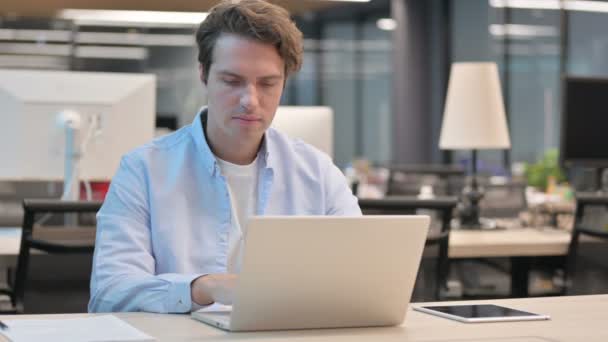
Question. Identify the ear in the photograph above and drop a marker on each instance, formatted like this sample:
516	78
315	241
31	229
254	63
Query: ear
201	73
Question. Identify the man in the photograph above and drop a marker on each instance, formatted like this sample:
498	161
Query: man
171	229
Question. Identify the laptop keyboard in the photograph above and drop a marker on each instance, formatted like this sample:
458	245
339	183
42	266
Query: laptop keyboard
223	317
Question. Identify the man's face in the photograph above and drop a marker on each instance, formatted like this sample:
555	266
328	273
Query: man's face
244	85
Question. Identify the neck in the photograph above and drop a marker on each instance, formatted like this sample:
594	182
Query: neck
240	154
240	151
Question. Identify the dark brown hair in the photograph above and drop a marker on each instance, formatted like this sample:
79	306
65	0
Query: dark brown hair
254	19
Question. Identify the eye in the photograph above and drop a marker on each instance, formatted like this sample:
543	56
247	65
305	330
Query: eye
268	84
231	81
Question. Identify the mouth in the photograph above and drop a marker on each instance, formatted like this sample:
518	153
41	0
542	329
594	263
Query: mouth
247	118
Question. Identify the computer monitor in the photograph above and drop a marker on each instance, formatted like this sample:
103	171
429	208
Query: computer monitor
314	125
584	122
32	134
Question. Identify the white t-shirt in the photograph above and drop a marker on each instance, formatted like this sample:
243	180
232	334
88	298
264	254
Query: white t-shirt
242	186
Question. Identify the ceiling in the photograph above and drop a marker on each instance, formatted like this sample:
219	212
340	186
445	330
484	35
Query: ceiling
46	8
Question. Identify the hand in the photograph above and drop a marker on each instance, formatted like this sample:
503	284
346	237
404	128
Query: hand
212	288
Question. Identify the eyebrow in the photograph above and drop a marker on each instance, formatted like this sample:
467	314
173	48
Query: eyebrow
228	73
266	78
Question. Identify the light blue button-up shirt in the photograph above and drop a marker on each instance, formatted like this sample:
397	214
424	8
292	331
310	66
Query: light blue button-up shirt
166	217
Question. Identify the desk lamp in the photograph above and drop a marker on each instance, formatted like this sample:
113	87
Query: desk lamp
474	119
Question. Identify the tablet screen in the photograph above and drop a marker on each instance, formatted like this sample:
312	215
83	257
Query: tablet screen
479	311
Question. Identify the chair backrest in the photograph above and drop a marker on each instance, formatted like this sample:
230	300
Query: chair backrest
402	205
581	227
12	194
503	200
407	179
50	239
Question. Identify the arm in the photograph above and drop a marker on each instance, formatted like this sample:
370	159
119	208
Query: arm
340	200
124	277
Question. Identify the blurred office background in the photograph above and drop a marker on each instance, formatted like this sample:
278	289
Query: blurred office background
386	110
381	65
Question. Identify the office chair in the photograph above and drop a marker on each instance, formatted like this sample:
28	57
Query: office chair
401	205
504	201
582	228
12	194
500	208
52	240
406	180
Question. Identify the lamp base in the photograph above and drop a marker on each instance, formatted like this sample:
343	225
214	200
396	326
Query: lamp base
483	224
472	195
469	211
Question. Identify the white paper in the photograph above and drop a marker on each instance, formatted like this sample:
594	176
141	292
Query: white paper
84	329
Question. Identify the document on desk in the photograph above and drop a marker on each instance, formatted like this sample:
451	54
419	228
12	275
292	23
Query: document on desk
83	329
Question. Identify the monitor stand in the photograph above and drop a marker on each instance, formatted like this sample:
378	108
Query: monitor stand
71	123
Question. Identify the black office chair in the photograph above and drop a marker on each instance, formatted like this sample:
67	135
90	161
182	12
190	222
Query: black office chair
503	201
53	240
401	205
581	228
406	179
500	207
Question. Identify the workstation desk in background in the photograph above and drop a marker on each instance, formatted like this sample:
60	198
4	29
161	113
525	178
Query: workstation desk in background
522	246
577	318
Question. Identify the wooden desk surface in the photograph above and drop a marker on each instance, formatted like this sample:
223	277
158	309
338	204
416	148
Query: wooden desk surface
10	240
581	318
508	242
463	243
10	243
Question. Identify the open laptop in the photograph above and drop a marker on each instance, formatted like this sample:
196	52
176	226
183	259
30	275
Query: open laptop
324	272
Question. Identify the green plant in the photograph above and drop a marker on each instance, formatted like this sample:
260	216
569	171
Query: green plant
538	174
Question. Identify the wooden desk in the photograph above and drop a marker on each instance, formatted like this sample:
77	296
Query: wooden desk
463	243
581	318
522	246
508	243
10	242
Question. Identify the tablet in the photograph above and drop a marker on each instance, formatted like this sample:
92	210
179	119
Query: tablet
480	313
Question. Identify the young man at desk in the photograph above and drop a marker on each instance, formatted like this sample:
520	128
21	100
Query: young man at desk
170	232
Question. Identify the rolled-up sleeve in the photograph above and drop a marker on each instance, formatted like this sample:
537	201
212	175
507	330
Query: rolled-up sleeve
124	277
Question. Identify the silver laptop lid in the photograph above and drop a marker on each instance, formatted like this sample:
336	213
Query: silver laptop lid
324	271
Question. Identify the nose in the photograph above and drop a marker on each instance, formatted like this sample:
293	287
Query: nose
249	98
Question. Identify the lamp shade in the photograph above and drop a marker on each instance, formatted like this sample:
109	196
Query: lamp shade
474	115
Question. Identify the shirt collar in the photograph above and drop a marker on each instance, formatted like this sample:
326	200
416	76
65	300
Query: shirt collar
209	161
198	134
268	144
